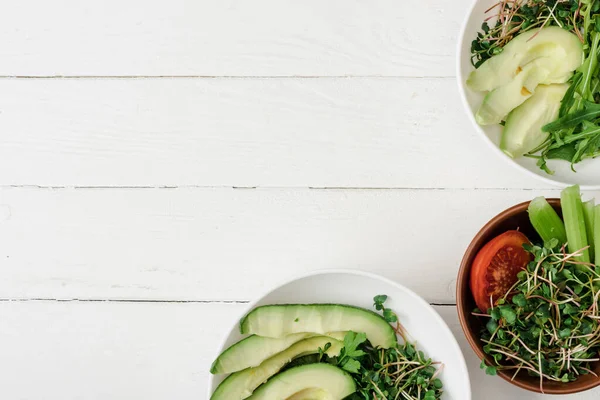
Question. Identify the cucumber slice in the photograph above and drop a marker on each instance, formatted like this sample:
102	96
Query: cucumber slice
240	385
253	350
285	319
332	380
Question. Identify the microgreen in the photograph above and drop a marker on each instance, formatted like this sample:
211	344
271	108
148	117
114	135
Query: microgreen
549	324
512	17
400	372
575	135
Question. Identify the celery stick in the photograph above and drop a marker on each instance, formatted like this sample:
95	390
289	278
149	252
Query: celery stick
597	232
588	215
572	209
546	221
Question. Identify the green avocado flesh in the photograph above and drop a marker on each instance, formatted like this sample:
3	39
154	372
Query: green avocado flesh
498	103
523	129
281	320
241	384
554	44
295	381
253	350
311	394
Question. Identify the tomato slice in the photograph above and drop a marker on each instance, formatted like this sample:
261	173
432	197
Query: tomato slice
495	268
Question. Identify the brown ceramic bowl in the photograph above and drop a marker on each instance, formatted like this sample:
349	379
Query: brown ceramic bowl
514	218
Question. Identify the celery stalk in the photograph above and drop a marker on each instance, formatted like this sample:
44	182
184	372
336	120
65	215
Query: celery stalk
572	209
597	232
588	215
546	221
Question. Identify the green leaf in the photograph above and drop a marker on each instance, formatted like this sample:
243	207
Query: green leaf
569	97
491	326
429	395
564	333
379	300
351	342
352	366
495	313
573	119
565	152
519	300
570	310
389	315
508	314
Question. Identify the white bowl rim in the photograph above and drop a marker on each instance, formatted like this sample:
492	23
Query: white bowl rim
460	79
453	342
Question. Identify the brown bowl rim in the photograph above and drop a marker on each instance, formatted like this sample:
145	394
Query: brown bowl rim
463	279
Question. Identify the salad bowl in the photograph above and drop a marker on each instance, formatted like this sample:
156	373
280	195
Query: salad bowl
514	218
588	171
422	323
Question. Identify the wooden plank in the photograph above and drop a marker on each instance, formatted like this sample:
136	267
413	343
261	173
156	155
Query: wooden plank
224	244
105	350
155	351
232	38
245	133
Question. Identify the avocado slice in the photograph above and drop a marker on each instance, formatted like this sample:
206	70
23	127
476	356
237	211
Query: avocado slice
253	350
285	319
502	100
311	394
523	129
241	384
552	42
332	380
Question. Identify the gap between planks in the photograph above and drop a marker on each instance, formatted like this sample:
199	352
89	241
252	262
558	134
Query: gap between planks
43	299
146	187
282	77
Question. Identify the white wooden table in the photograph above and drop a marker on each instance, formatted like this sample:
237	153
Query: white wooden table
163	163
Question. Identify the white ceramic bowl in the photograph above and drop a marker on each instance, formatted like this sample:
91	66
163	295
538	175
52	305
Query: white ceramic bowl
588	171
358	288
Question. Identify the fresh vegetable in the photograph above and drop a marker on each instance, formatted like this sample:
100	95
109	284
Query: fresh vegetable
498	103
254	349
575	135
311	394
282	320
588	216
400	372
559	51
514	54
523	128
531	59
330	379
597	233
242	384
572	209
546	221
515	17
495	268
547	324
251	351
312	366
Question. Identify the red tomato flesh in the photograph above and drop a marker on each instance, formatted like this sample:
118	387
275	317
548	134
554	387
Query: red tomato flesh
495	268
